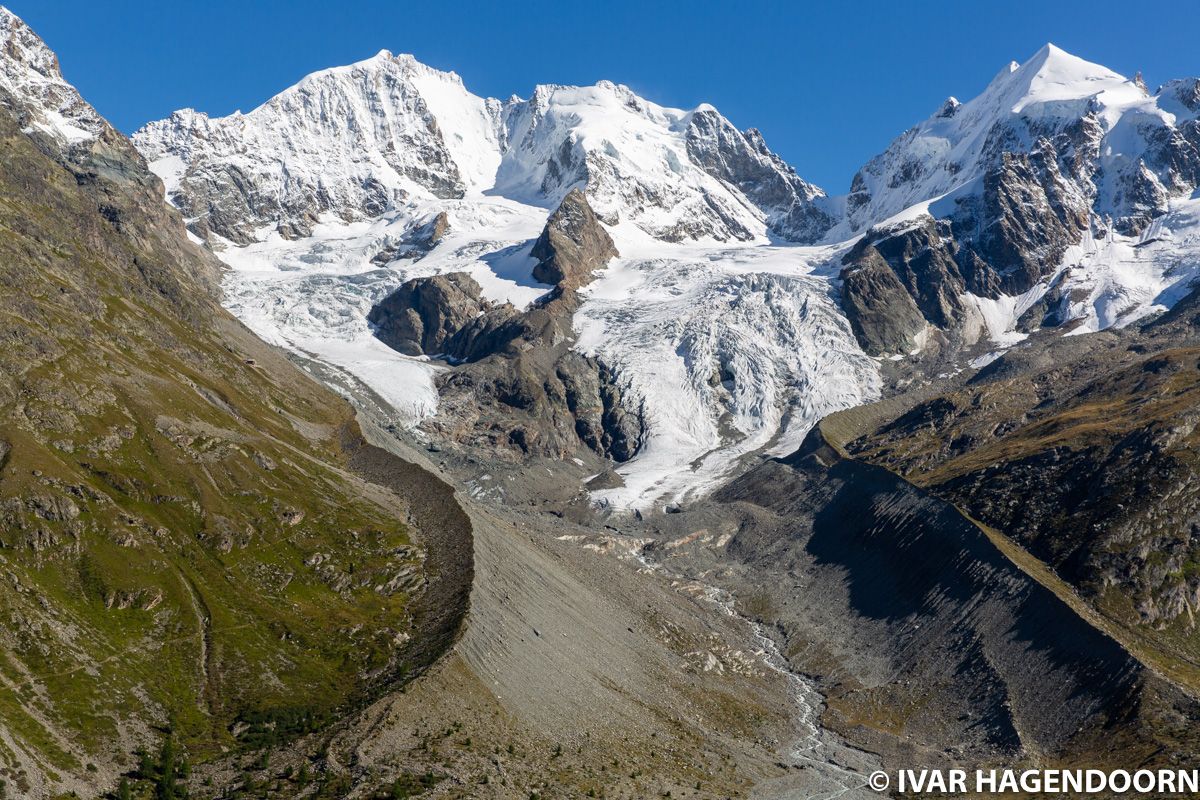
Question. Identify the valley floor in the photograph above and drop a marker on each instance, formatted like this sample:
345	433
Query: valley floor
582	669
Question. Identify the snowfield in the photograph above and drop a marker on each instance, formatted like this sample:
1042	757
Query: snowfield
1117	280
1111	281
313	295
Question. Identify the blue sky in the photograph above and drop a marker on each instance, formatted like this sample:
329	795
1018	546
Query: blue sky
829	84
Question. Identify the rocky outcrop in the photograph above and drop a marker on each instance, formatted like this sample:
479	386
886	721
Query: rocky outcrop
881	310
1003	240
594	399
923	257
542	402
415	242
442	315
573	245
1015	233
518	388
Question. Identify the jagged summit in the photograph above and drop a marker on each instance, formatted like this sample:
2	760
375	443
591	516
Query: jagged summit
1021	209
962	225
351	141
358	140
384	60
1050	95
30	77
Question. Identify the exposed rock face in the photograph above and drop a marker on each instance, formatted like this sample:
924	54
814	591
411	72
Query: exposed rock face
922	256
520	389
1017	232
441	315
793	207
415	242
1053	149
572	246
881	310
1003	240
539	402
594	400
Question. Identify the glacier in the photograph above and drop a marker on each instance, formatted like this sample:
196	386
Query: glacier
720	319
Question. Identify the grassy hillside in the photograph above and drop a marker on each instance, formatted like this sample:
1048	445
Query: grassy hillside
181	547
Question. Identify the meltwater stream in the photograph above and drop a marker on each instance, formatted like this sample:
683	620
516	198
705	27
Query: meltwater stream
843	769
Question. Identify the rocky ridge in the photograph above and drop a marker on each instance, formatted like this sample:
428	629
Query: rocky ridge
991	198
1057	198
356	141
1092	434
35	90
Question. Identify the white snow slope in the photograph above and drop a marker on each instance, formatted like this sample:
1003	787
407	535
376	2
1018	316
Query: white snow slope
343	164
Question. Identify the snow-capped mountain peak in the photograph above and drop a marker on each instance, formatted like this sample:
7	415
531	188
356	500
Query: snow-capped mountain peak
33	83
1042	202
1052	94
677	175
997	211
1052	74
357	140
353	141
320	194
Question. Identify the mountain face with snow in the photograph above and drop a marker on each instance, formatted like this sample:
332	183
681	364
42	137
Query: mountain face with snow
1124	151
35	90
676	175
352	141
322	198
745	303
1000	214
356	141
